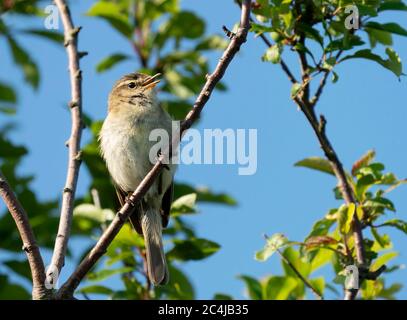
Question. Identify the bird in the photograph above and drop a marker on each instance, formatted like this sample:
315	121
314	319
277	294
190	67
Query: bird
133	112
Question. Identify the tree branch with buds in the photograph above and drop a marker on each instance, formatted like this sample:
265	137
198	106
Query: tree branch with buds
236	40
30	246
74	161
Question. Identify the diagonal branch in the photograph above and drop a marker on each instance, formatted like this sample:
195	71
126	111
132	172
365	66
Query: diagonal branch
345	187
322	83
299	275
68	197
66	291
27	236
306	106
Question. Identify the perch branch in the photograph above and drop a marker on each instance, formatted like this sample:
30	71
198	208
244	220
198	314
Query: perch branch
30	246
74	161
67	289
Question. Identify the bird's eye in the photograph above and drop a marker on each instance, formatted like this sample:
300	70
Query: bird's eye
131	85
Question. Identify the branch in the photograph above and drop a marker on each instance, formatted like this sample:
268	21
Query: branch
303	279
68	196
345	187
283	65
268	43
322	84
67	289
306	105
30	246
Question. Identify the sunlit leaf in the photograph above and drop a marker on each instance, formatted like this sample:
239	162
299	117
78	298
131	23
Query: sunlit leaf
316	163
110	61
192	249
254	289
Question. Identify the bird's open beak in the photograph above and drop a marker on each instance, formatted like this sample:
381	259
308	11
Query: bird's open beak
151	82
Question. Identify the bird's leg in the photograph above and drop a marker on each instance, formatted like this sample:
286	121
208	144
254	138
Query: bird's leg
159	153
128	200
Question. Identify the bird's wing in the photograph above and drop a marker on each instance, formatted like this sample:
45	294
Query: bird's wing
166	204
135	216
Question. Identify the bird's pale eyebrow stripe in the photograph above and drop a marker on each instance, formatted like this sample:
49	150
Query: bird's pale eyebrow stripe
125	82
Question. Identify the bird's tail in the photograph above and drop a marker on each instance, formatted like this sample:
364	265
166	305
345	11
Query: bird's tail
151	223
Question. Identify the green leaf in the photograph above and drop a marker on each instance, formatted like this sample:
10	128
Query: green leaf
90	211
393	63
382	240
214	42
318	284
382	37
335	77
272	54
253	287
96	289
388	293
128	237
345	216
382	260
184	205
204	194
176	25
316	163
379	202
47	34
388	27
179	286
222	296
22	268
392	5
363	184
113	14
273	243
279	287
7	93
110	61
398	224
24	61
107	273
8	110
122	256
192	249
11	291
295	89
311	33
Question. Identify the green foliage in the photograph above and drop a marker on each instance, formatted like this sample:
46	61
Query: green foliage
155	29
299	25
330	241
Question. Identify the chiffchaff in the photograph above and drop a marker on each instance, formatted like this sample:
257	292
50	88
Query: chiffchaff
124	139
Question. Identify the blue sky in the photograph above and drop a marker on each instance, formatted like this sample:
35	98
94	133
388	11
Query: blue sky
366	109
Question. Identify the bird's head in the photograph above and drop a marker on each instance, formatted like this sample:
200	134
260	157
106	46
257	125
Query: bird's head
134	89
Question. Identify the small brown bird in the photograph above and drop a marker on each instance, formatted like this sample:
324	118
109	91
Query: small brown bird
133	113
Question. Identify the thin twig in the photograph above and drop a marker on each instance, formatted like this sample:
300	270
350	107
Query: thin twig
67	289
268	43
322	83
30	246
303	279
283	65
74	161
